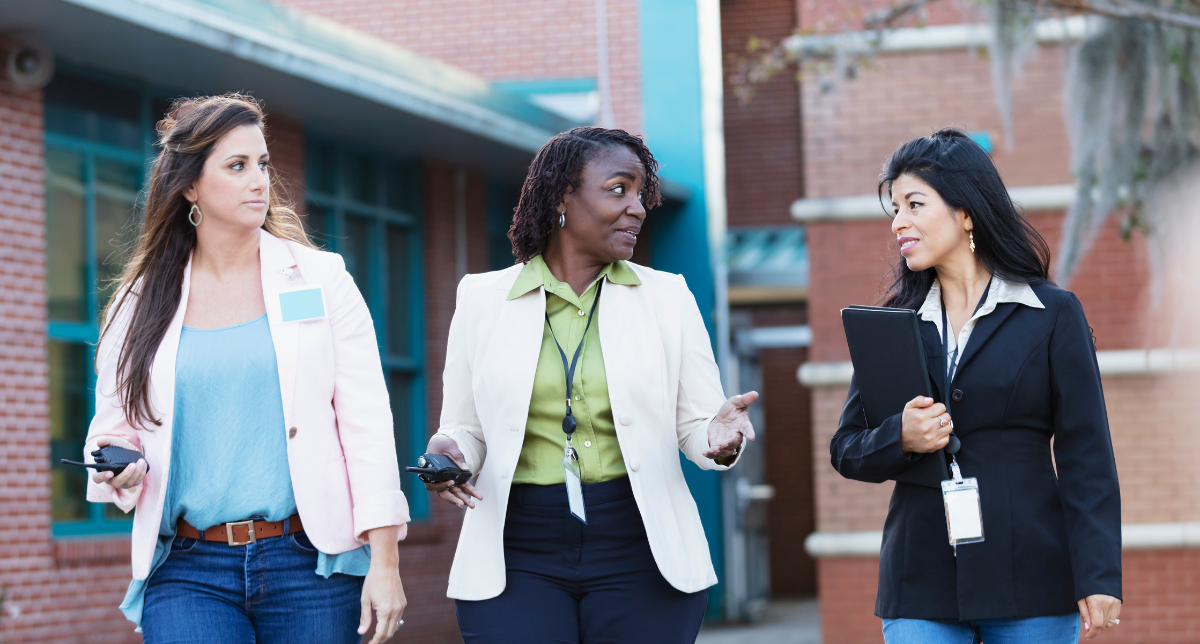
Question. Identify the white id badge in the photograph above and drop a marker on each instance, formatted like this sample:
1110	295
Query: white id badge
964	516
574	486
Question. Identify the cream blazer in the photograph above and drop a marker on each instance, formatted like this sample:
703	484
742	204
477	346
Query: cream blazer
663	385
341	450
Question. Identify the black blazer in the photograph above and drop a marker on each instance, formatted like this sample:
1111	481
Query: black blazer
1027	376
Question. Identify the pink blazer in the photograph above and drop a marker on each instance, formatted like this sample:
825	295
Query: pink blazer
341	450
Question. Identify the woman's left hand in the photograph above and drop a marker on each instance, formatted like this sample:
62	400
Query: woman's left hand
726	430
1098	612
382	589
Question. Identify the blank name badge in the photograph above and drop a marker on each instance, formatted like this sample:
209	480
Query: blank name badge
964	518
300	304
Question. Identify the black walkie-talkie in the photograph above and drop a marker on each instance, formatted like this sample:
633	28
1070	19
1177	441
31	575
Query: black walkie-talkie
110	458
436	468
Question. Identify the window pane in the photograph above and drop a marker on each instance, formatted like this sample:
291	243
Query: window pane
116	211
319	225
400	187
66	236
90	109
68	428
400	391
321	174
356	251
361	179
399	304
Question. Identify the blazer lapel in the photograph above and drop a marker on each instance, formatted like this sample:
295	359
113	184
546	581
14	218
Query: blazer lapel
512	349
985	328
632	349
274	256
934	359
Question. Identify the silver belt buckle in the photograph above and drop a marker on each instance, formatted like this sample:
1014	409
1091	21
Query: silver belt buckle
229	532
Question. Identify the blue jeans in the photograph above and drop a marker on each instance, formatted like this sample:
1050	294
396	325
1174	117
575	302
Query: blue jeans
267	592
1057	629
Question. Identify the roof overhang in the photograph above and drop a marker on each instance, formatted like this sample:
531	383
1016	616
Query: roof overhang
342	83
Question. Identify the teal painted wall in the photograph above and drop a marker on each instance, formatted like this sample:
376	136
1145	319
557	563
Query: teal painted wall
679	239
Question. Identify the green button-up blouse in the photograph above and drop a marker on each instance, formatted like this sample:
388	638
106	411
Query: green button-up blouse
595	436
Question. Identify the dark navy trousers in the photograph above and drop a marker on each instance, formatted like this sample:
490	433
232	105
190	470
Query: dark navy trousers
570	583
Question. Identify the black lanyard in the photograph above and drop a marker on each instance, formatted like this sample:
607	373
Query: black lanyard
569	423
951	366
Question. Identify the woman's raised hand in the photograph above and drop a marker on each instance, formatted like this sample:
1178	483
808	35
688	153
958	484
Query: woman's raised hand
926	426
456	494
731	423
130	478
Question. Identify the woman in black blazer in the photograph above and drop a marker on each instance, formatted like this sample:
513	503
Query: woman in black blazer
1026	398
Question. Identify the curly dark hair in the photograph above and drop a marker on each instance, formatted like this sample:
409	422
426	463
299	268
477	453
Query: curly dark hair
556	170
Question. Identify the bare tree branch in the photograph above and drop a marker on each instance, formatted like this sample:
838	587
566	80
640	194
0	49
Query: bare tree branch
1126	10
887	18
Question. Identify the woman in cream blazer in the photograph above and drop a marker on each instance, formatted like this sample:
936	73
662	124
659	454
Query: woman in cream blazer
526	569
248	421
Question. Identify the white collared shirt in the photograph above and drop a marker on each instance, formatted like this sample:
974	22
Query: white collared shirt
1000	291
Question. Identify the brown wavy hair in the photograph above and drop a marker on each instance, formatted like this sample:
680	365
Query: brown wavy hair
151	284
556	170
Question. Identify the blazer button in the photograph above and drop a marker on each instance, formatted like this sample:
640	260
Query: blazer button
504	477
634	464
292	433
625	420
514	428
957	395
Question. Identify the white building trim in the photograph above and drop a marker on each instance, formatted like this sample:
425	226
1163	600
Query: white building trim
1030	198
942	37
1134	536
1133	362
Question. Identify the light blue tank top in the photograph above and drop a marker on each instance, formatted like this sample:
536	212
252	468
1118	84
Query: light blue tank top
228	421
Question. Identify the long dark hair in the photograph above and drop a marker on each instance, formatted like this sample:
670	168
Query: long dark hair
965	177
151	283
556	170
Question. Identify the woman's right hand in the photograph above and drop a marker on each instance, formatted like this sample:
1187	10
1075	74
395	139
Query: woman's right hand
130	478
456	494
923	430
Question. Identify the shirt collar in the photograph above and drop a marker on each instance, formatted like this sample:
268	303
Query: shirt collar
537	274
1000	292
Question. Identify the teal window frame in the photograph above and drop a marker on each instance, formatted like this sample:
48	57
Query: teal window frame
86	333
336	203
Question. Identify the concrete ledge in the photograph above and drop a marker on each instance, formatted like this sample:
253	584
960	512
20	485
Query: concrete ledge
942	37
1030	198
1133	362
1134	536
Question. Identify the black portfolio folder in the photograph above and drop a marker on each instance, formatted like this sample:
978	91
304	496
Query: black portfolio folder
890	369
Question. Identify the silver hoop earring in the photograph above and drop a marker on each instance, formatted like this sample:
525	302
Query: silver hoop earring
195	211
562	219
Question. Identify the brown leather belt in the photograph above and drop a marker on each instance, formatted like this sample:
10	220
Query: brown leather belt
241	533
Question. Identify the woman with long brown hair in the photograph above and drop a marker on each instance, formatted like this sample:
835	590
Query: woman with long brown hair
241	362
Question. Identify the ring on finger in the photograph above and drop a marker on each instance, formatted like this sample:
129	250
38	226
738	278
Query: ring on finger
1113	622
943	421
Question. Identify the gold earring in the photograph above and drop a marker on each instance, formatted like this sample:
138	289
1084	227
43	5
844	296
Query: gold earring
195	211
972	234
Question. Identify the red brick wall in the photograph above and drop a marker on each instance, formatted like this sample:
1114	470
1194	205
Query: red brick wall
762	137
850	131
64	592
507	39
285	139
1162	599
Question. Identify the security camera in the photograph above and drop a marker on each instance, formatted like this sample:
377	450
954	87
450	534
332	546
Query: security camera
27	65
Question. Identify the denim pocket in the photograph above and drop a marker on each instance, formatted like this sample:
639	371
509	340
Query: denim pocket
183	545
300	542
